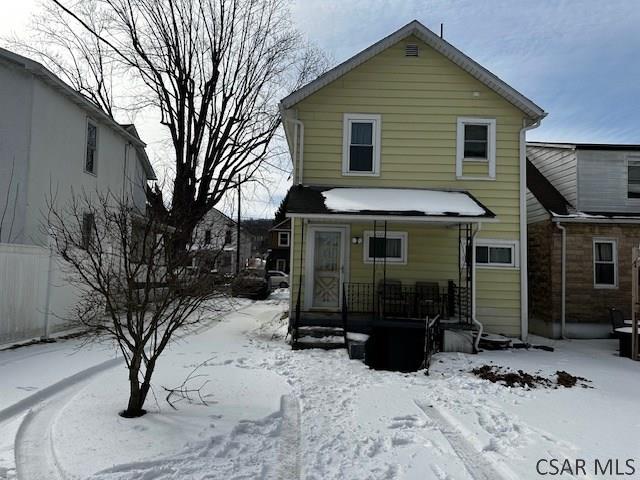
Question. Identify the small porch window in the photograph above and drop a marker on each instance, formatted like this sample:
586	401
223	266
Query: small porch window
393	248
496	253
361	145
605	260
283	239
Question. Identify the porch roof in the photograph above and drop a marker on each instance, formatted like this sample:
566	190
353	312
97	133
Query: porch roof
423	205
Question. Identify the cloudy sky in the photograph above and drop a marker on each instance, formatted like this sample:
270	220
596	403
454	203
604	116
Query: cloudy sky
578	59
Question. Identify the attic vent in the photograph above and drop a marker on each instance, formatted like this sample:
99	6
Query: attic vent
411	50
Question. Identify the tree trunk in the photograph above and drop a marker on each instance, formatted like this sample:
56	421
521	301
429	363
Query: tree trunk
137	394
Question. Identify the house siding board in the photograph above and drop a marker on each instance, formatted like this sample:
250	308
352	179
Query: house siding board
535	211
420	99
602	180
57	156
15	105
560	166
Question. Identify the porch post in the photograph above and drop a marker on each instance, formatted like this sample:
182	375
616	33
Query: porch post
373	296
302	248
384	268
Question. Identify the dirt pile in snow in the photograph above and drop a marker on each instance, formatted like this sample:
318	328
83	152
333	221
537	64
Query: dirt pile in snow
520	378
567	380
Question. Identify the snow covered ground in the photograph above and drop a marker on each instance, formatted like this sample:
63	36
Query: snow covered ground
276	413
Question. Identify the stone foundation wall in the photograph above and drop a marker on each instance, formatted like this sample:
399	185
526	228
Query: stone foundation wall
584	302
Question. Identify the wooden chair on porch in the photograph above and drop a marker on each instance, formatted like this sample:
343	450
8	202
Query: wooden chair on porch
392	302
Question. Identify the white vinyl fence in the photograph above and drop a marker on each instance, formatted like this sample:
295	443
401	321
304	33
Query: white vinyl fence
26	288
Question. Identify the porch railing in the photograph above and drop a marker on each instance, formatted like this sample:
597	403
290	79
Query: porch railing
419	301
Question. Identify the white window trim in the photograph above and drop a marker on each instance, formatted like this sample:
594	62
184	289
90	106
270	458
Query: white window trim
284	264
491	148
515	253
86	140
403	236
376	120
288	237
614	242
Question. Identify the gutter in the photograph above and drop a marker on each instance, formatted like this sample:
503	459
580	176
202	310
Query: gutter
394	218
558	219
563	324
293	142
299	127
524	289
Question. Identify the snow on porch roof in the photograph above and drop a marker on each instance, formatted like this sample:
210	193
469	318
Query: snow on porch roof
394	202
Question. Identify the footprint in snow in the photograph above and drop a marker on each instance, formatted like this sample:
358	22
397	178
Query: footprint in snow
407	421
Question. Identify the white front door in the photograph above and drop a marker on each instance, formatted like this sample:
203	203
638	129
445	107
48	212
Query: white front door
326	274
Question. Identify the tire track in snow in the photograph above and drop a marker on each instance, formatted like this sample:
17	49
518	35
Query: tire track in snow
477	464
31	401
34	450
289	461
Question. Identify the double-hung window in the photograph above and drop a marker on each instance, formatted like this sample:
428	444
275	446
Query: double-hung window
91	155
633	178
392	248
605	263
283	239
361	144
497	253
476	143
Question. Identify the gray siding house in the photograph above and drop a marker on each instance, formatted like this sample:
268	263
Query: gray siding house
215	244
583	215
54	144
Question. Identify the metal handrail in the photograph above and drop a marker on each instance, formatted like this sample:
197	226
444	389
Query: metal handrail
431	334
403	301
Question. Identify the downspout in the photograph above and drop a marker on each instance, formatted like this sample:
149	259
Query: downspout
524	288
563	324
298	132
473	289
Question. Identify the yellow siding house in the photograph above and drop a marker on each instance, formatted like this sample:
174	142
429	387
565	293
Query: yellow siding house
409	191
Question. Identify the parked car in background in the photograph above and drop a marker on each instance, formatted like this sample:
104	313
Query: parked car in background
251	283
278	279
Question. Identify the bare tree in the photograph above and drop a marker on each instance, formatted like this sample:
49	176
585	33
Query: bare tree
131	291
214	69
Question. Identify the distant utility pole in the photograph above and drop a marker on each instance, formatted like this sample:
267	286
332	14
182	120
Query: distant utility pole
238	231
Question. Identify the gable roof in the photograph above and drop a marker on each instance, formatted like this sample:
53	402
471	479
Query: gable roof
284	225
440	45
548	195
41	72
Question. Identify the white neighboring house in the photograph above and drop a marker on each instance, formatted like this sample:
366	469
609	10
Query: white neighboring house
53	141
216	242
